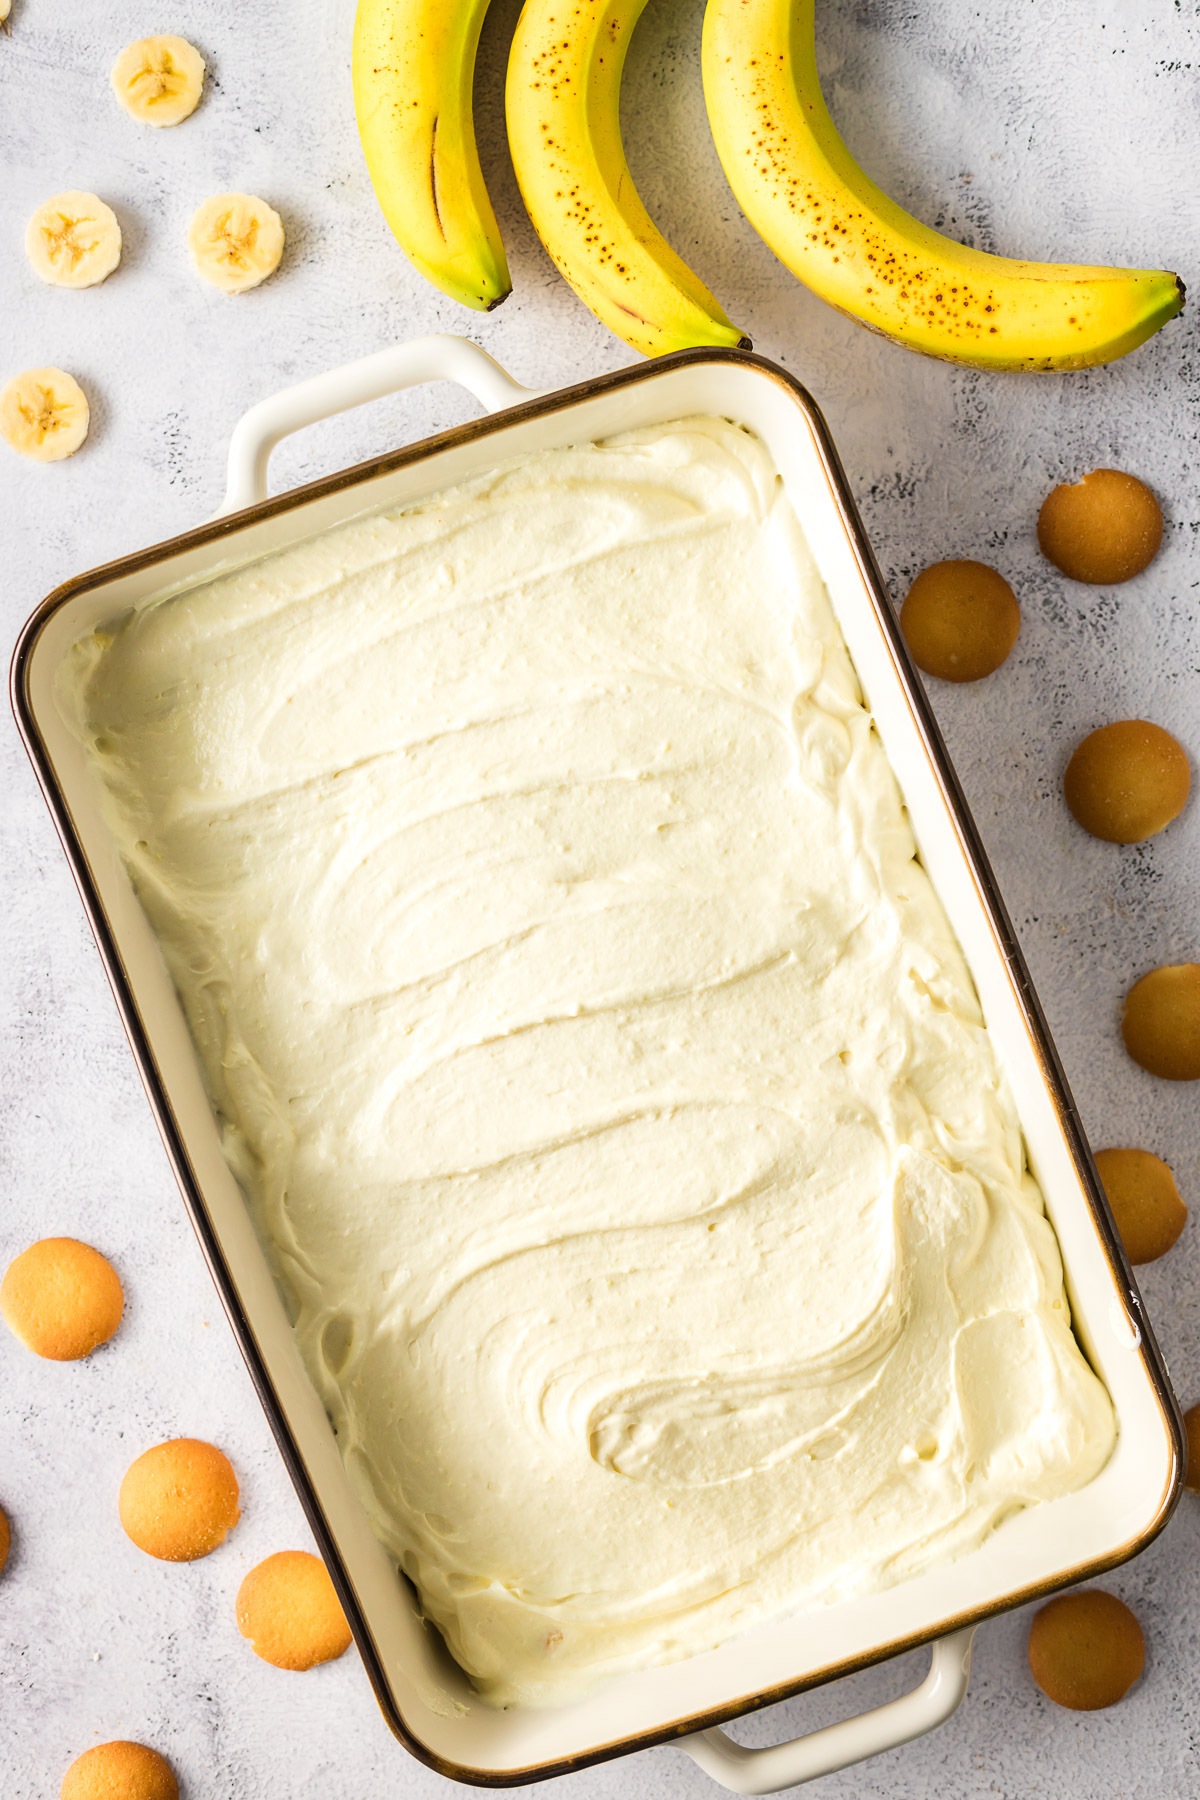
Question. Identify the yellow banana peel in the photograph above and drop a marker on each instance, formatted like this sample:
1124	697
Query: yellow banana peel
562	105
840	234
413	65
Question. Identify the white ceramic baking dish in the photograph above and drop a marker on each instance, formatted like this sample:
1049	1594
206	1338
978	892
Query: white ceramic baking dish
426	1699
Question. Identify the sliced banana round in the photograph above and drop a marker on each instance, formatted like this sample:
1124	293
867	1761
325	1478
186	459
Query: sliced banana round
44	414
158	80
73	240
236	241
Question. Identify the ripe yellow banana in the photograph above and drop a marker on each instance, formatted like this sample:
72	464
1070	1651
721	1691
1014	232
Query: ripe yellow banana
562	104
413	64
802	190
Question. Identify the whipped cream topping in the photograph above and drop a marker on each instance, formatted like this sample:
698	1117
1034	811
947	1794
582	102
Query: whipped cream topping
606	1082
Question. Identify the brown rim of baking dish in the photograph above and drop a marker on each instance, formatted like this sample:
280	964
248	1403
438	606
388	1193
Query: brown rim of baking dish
994	910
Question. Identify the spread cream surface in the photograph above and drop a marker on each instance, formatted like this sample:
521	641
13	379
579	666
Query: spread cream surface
604	1077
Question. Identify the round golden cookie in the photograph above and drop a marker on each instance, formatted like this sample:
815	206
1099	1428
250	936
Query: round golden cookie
5	1539
61	1298
1103	529
179	1500
1146	1204
288	1609
1127	781
1086	1650
1191	1426
1161	1026
119	1771
960	620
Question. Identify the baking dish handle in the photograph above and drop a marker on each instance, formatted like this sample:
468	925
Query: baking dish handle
439	357
851	1741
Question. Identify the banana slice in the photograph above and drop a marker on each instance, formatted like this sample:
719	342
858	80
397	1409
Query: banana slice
158	80
5	9
73	240
236	241
44	414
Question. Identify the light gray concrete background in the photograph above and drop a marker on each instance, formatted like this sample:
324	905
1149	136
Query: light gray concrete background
1066	128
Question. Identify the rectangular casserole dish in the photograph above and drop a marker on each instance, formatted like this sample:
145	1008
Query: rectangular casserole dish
425	1698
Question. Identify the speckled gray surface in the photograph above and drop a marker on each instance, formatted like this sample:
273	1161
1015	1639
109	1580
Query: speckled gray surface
1049	127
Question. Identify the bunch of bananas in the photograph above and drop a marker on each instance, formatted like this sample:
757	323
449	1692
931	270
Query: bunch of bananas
792	174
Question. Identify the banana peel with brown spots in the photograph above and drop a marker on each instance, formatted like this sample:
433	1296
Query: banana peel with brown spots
562	106
843	237
413	62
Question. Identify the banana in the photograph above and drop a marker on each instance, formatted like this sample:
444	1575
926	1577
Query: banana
159	80
74	240
44	414
802	190
413	63
562	104
236	241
